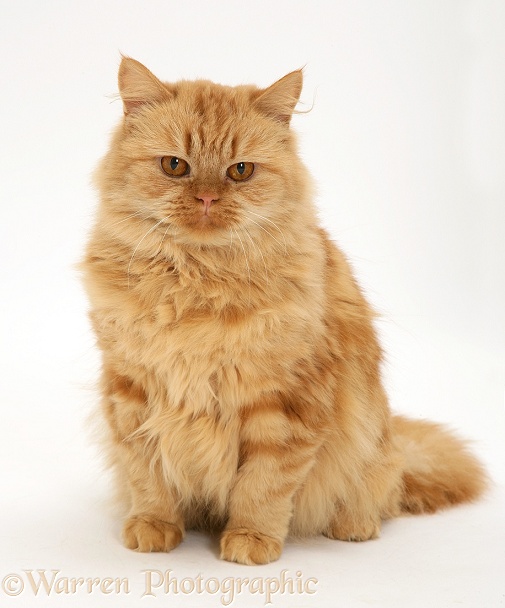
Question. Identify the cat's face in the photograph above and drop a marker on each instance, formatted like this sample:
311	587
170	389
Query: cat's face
206	161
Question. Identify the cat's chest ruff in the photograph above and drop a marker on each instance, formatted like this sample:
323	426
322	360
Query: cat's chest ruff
206	355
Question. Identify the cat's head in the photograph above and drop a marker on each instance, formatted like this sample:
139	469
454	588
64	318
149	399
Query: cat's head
205	161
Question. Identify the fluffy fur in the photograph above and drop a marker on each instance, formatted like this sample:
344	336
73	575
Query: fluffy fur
241	370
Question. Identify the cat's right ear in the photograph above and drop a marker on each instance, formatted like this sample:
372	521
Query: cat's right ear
138	86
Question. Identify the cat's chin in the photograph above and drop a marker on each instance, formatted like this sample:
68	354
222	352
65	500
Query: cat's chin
204	235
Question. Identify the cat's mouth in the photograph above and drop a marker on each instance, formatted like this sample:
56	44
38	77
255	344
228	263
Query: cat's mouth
204	224
208	220
211	228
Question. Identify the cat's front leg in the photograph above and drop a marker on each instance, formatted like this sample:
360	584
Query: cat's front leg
154	522
278	446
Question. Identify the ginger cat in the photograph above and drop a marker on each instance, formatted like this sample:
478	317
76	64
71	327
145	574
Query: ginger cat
241	370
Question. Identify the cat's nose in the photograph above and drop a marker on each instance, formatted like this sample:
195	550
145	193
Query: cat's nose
207	200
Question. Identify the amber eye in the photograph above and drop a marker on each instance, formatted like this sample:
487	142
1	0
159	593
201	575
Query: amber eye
240	171
173	166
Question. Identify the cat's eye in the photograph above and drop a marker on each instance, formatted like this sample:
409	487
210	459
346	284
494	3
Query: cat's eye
173	166
240	171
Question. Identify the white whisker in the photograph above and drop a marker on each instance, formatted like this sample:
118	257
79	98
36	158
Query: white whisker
231	239
259	251
245	256
162	239
270	221
270	234
138	245
128	217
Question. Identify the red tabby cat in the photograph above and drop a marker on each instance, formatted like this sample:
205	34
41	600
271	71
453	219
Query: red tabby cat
241	370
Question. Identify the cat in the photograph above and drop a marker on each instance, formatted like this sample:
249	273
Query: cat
241	383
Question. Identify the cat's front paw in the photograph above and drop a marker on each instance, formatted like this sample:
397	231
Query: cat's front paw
145	533
249	547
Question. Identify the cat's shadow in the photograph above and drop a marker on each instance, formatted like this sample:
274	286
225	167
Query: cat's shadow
212	543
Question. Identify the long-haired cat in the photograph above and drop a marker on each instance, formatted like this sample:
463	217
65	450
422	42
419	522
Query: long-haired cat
241	370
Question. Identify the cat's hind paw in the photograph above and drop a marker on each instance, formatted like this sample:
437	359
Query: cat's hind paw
145	533
351	531
249	547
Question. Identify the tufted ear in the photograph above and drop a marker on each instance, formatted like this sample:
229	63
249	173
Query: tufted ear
280	99
139	86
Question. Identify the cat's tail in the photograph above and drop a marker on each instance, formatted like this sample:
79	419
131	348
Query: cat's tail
439	469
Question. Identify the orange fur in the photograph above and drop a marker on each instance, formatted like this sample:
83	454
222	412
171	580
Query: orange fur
241	371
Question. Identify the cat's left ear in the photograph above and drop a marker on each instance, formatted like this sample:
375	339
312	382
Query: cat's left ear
138	86
280	99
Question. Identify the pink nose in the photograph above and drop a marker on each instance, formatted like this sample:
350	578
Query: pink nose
207	200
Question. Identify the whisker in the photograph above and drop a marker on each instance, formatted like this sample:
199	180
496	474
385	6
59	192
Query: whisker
162	239
270	221
259	251
245	256
138	245
269	233
128	217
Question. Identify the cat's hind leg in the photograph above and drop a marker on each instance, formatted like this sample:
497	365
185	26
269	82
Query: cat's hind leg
352	525
368	499
346	497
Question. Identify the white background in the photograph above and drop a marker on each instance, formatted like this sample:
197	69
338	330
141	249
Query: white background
406	141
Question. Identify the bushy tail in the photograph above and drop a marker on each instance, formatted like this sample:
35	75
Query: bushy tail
439	470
